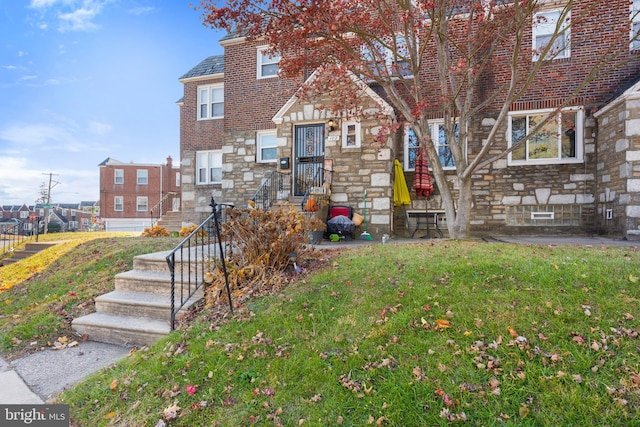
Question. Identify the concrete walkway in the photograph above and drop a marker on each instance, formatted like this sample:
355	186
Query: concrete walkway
39	377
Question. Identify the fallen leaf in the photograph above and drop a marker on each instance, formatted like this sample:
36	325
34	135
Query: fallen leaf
171	412
113	385
633	278
523	411
443	323
513	332
110	415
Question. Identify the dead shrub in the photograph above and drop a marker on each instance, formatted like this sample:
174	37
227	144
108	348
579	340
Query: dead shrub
262	245
155	231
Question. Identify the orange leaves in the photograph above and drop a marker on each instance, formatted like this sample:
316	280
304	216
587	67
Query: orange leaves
443	324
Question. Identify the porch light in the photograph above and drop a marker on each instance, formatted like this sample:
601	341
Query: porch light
331	125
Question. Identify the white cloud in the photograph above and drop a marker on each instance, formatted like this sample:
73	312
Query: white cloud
78	20
141	10
99	128
69	15
34	134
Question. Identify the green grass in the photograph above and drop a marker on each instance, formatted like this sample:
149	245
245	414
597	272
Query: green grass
62	282
358	343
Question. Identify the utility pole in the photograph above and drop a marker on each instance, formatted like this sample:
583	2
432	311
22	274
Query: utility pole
48	205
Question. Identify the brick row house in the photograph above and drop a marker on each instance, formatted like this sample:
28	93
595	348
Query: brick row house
134	195
81	216
239	122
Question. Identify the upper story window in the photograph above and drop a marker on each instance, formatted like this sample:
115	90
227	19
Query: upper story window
41	212
547	26
142	177
635	25
351	134
64	212
560	140
118	176
383	59
436	130
267	146
209	167
142	204
267	63
25	214
118	203
211	102
177	179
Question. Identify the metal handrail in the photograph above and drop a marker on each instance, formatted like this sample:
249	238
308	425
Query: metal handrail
321	176
189	261
159	208
12	236
277	186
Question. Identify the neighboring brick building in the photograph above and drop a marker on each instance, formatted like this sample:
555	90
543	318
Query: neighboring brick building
132	195
586	179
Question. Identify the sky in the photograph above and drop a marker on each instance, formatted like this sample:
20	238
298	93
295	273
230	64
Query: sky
85	80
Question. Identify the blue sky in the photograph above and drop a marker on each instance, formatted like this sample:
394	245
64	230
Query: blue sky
83	80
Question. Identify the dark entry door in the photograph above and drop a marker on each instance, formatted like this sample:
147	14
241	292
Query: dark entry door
309	156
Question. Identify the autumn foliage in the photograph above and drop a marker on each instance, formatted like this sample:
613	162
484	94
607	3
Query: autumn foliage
261	246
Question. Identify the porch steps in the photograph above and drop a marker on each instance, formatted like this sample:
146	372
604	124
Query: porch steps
138	311
30	249
171	221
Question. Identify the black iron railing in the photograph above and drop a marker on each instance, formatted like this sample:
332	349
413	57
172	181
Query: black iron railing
276	187
200	252
319	186
13	234
162	207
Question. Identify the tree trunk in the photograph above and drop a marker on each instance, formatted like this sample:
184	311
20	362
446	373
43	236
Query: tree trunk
458	216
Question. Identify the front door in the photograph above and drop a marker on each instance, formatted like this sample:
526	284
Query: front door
309	156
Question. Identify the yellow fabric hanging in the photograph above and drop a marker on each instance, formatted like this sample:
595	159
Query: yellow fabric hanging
400	190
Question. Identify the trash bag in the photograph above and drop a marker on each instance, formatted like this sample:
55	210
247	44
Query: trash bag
341	225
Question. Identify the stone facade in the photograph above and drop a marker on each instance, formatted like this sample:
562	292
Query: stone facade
598	191
618	166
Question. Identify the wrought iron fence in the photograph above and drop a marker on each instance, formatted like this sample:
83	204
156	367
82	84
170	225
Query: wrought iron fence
200	252
277	186
13	234
319	186
162	207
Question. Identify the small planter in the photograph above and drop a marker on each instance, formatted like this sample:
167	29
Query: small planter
315	237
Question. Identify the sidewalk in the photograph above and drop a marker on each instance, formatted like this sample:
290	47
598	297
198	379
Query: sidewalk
39	377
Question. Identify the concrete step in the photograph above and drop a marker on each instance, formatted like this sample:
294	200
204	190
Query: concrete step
151	282
122	330
31	248
151	262
153	306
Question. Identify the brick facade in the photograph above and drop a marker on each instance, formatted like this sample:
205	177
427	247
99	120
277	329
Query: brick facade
507	198
162	179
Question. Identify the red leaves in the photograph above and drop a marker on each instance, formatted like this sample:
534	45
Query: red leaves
445	397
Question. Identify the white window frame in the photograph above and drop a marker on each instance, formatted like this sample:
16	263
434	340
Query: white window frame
41	213
63	212
634	30
177	179
548	28
118	201
142	176
142	204
73	225
206	162
579	138
118	176
24	214
434	129
388	58
356	141
212	94
261	62
261	145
